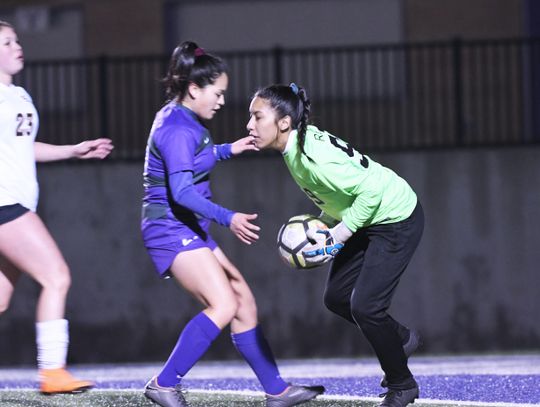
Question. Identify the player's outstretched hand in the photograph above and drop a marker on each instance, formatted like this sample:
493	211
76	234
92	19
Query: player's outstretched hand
243	144
98	148
243	228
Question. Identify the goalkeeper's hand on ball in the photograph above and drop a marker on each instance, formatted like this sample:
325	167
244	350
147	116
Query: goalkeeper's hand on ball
326	243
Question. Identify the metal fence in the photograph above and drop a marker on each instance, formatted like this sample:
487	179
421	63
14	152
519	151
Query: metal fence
386	97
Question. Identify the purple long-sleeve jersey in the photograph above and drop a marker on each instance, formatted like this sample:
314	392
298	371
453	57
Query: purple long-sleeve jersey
178	145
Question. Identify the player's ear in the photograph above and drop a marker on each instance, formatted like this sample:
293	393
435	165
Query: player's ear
193	90
284	123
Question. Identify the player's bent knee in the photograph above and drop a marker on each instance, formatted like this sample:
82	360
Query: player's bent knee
366	314
225	311
247	311
335	304
247	304
365	310
329	303
58	279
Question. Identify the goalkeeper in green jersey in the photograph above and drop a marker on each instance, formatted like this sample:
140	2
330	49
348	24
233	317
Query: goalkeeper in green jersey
376	224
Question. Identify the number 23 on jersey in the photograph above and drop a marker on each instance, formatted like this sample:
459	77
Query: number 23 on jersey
25	124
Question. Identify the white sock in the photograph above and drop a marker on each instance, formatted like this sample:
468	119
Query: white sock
52	339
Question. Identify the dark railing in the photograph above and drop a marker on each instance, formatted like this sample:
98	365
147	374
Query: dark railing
387	97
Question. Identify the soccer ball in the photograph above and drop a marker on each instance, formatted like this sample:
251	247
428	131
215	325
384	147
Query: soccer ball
292	239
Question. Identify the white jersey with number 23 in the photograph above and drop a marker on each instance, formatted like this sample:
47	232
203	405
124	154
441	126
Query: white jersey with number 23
19	124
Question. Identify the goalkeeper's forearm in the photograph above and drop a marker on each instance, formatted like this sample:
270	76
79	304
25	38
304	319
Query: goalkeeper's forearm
341	233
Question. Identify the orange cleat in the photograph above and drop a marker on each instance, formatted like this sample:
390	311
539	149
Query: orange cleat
61	381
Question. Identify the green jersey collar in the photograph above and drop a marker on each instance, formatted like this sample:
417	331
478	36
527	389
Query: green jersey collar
290	141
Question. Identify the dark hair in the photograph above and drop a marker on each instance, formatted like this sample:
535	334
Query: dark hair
190	64
289	100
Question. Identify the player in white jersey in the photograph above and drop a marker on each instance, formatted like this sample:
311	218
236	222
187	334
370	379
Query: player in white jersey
26	245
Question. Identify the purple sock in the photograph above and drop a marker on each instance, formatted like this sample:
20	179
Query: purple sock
253	347
193	342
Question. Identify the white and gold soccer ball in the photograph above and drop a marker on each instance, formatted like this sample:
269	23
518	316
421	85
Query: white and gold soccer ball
292	240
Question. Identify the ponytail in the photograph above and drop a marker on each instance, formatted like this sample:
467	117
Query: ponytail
191	64
290	101
303	120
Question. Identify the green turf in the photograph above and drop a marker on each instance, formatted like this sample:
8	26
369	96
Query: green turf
97	398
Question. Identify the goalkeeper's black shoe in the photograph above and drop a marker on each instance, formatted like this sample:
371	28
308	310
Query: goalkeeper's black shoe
399	398
409	348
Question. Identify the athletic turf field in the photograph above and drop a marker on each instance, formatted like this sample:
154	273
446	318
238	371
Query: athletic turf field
509	380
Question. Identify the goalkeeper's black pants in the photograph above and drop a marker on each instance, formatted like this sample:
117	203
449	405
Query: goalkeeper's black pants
362	281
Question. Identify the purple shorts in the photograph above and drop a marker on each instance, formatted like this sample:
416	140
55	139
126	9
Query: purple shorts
165	238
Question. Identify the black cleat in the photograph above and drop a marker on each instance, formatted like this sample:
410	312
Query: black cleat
165	396
409	348
294	395
399	398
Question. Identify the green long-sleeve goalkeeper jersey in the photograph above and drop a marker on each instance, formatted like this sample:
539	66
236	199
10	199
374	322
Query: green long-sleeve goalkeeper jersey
347	185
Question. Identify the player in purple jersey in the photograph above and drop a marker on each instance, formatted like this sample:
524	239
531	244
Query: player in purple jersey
177	211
